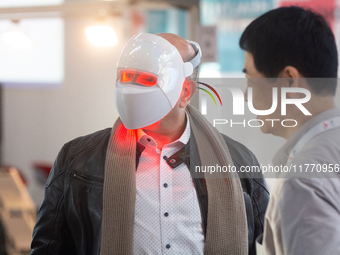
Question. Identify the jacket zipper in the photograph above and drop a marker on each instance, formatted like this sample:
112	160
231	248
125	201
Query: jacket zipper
80	176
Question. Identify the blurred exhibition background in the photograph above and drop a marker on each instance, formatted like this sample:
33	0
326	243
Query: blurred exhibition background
58	60
58	71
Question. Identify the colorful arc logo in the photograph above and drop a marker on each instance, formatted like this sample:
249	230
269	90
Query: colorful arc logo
211	88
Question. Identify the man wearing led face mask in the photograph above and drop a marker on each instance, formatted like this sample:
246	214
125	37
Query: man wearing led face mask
149	201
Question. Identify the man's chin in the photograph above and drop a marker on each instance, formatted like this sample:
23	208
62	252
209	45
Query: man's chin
265	128
153	127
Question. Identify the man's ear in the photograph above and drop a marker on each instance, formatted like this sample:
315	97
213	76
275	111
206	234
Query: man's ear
294	79
193	88
291	76
189	89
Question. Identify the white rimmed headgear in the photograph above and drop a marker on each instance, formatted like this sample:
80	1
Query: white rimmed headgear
150	79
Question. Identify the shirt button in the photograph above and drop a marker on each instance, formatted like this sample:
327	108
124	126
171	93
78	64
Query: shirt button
165	185
165	157
166	214
172	161
168	246
149	140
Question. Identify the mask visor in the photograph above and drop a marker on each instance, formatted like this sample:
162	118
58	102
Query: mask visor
132	76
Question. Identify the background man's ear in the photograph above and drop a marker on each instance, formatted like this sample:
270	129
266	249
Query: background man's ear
291	76
290	72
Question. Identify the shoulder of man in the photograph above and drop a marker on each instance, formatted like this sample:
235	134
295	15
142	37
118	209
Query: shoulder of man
323	149
78	152
86	142
319	158
243	157
240	154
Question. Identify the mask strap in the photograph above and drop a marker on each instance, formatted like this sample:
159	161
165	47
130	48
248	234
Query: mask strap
197	59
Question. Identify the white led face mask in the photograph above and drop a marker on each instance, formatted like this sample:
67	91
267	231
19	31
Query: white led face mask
150	79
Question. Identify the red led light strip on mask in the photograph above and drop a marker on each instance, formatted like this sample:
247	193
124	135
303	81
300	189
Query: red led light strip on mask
134	76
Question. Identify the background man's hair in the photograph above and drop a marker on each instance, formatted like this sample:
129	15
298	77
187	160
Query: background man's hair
296	37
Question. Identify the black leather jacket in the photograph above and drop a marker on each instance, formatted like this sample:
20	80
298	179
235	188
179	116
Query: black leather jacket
69	220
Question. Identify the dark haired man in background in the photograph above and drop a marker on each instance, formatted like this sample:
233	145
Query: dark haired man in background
303	214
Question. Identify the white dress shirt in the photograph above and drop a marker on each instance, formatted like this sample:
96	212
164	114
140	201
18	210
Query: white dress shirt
167	212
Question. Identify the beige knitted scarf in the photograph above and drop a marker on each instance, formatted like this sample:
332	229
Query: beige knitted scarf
226	224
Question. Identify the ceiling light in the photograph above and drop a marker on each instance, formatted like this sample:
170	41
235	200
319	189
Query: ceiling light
101	36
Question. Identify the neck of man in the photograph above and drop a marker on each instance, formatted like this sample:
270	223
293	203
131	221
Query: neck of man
315	106
167	130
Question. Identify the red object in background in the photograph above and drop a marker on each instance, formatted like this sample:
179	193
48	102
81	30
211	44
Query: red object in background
138	22
326	8
42	170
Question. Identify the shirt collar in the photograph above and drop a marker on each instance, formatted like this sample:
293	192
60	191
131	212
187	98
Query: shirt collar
282	155
141	135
